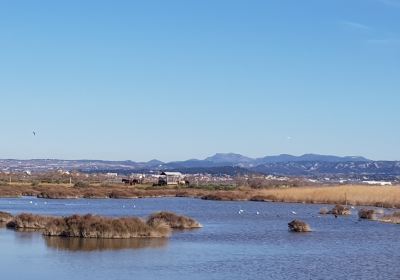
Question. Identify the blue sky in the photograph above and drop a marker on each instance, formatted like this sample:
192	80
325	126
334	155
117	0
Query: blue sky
184	79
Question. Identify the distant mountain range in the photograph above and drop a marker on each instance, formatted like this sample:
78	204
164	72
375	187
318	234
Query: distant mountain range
304	165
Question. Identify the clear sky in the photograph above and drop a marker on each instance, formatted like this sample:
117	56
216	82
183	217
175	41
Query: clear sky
174	80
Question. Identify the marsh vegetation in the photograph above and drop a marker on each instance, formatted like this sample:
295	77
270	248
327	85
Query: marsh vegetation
92	226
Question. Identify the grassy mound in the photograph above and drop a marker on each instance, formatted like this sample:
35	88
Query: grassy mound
369	214
299	226
340	210
91	226
173	220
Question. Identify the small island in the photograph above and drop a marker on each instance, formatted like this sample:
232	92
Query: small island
158	225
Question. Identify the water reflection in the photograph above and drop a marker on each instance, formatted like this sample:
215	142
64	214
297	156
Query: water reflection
101	244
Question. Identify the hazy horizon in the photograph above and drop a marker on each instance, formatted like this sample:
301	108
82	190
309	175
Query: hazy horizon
174	80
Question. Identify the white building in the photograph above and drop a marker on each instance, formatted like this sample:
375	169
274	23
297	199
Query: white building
170	178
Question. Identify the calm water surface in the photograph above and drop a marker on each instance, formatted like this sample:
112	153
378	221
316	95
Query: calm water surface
230	246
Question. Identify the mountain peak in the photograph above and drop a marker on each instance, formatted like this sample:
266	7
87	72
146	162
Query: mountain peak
228	157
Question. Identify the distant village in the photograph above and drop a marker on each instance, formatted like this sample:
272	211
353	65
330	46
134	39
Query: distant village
100	172
175	178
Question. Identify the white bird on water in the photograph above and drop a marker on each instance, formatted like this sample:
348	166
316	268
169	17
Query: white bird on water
294	213
241	211
258	213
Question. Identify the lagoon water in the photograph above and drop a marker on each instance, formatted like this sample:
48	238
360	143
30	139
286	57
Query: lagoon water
229	246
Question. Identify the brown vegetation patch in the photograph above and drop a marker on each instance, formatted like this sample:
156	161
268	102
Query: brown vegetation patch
91	226
267	198
393	218
226	196
173	220
28	221
369	214
5	217
340	210
64	194
299	226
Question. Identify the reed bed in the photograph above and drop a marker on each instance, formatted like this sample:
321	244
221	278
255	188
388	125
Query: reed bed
388	197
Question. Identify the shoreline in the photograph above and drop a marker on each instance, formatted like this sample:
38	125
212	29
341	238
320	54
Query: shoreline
356	195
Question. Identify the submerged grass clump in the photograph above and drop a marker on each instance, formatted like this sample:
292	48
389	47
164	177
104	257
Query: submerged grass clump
393	218
340	210
173	220
323	211
299	226
369	214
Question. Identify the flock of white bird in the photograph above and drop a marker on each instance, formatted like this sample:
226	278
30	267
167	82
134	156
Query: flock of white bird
241	211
